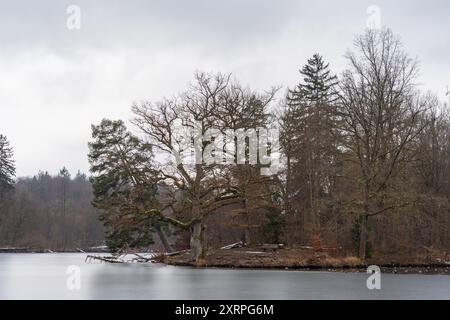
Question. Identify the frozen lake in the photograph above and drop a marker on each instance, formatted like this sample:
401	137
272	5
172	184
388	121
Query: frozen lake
44	276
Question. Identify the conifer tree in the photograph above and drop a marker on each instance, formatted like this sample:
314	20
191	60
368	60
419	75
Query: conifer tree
122	184
309	140
7	166
319	84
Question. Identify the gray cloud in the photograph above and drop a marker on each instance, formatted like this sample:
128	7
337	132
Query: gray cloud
54	82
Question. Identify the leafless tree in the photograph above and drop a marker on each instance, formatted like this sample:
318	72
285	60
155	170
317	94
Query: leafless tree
381	111
212	102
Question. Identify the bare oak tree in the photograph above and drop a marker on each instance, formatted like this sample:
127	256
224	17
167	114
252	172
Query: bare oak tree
213	103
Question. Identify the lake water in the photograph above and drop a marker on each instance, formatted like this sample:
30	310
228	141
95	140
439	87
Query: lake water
44	276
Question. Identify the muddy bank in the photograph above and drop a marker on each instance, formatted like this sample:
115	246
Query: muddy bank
298	259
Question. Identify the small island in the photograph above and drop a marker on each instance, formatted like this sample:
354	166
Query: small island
335	173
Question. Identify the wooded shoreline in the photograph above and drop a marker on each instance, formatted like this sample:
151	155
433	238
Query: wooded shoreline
42	250
307	260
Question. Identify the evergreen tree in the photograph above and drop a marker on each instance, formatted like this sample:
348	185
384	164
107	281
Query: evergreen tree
123	184
308	137
275	226
319	84
7	167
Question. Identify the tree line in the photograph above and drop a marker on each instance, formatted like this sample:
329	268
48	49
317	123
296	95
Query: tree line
364	163
44	211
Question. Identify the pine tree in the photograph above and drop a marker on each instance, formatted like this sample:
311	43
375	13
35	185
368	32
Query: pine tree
319	84
7	166
309	140
122	184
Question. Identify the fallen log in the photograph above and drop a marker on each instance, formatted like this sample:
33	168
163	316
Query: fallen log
239	244
141	258
304	247
170	254
110	259
153	257
125	258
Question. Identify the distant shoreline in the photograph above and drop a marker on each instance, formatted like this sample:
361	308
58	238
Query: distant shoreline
40	250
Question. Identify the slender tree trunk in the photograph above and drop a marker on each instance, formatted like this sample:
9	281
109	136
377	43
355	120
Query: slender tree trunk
164	239
363	223
363	236
197	240
287	200
247	237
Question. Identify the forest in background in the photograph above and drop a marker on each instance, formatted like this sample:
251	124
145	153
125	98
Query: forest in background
365	167
50	212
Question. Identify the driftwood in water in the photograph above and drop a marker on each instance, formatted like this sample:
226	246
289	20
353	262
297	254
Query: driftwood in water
124	258
141	258
109	259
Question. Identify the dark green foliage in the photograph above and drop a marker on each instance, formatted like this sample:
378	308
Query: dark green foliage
310	138
122	184
132	236
319	85
7	168
275	225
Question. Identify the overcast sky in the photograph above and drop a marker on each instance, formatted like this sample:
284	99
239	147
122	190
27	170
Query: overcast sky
56	82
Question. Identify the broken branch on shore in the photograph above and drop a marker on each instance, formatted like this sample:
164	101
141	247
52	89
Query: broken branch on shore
153	257
170	254
239	244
